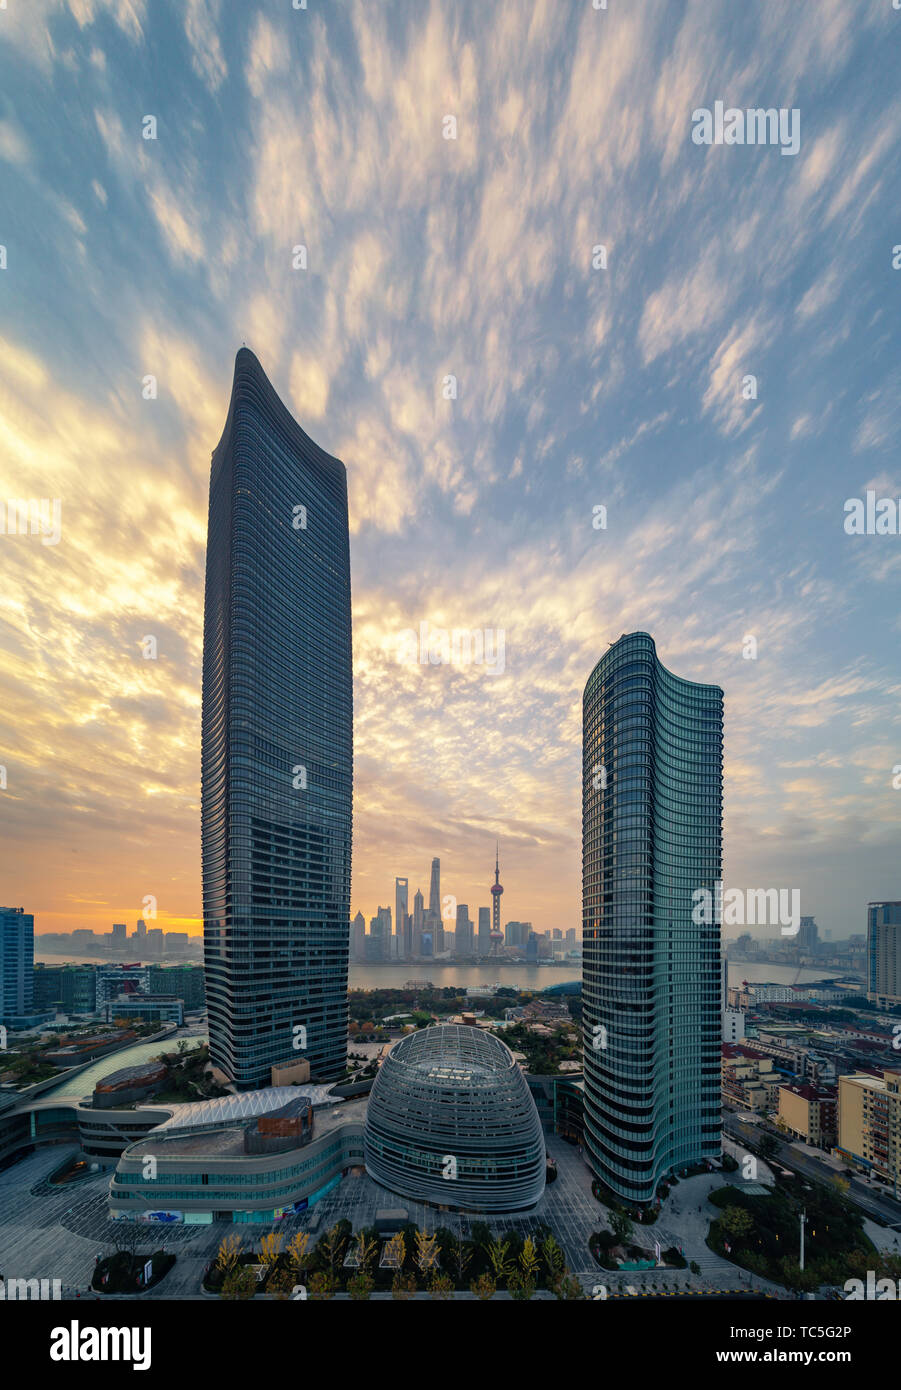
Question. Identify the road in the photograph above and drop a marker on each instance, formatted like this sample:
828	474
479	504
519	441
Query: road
883	1209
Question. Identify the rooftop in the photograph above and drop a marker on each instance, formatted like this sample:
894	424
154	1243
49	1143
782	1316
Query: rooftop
228	1142
244	1106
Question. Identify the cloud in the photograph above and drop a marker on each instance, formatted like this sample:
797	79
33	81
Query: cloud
201	18
13	145
429	257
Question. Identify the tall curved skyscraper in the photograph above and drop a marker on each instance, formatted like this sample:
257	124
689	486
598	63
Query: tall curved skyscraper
651	837
277	757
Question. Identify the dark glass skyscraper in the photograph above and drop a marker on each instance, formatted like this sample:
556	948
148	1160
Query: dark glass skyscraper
652	755
277	762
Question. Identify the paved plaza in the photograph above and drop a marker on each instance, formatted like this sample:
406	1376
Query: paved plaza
56	1233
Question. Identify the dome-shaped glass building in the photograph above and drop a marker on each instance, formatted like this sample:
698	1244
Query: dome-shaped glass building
451	1121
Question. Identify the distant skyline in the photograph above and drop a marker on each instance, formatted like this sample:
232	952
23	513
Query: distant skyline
576	388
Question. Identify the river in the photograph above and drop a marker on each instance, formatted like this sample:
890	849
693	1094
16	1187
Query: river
518	976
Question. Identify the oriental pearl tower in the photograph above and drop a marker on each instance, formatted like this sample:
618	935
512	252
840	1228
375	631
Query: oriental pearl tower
496	935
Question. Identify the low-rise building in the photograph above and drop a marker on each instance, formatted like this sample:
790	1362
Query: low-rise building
808	1112
869	1120
749	1078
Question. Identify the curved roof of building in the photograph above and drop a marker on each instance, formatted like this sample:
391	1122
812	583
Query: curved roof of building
132	1076
228	1109
451	1121
453	1054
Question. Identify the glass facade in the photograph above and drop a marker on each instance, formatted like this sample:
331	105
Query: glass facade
16	962
651	837
451	1121
277	759
227	1183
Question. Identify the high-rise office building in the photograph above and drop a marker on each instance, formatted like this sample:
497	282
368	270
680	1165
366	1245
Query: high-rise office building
418	921
16	963
484	931
401	889
808	936
435	887
184	982
358	936
435	924
651	839
70	988
516	934
884	952
374	946
463	931
120	930
277	762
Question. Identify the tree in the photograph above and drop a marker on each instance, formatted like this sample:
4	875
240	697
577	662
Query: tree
484	1287
480	1233
239	1283
127	1236
361	1285
460	1257
297	1251
440	1286
367	1246
403	1285
498	1258
569	1288
395	1251
333	1243
736	1222
621	1225
322	1284
528	1260
281	1283
270	1247
426	1251
796	1278
228	1252
554	1260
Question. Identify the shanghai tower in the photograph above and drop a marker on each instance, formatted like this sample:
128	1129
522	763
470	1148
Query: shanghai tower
277	744
652	789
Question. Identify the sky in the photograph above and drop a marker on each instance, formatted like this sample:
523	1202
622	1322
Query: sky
578	386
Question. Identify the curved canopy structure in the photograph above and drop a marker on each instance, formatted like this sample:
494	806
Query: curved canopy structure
224	1110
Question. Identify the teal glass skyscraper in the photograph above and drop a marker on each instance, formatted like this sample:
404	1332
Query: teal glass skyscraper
277	744
651	837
